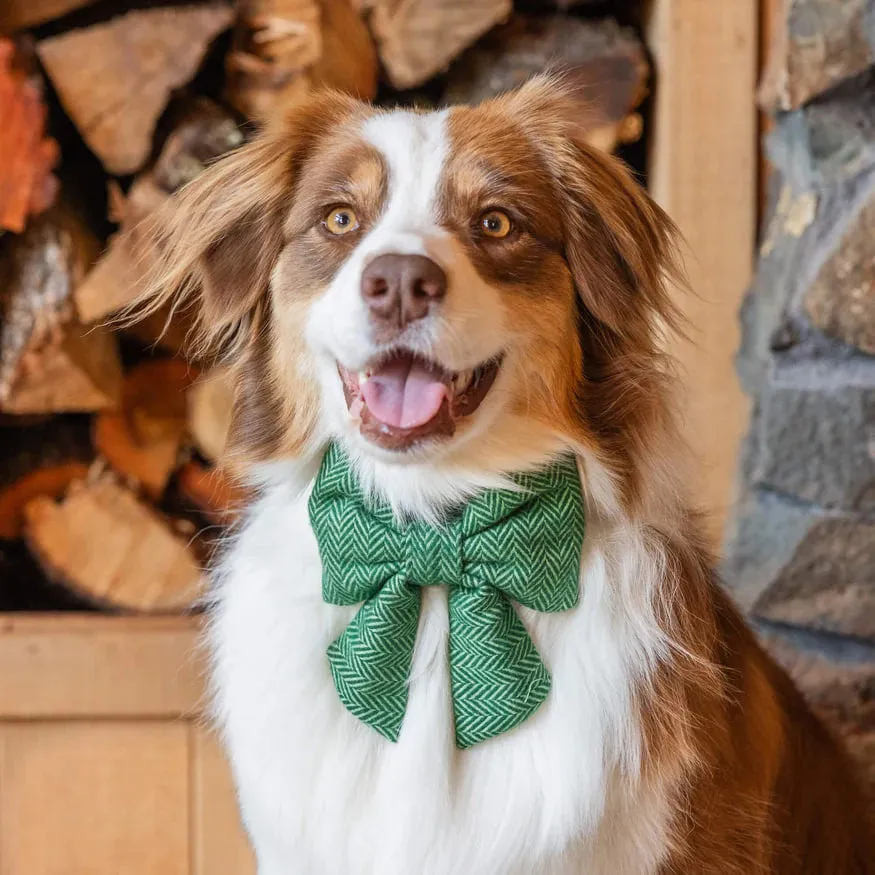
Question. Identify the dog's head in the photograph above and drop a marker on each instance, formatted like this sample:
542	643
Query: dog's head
472	287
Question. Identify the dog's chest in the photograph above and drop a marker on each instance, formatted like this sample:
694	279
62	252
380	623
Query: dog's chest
324	794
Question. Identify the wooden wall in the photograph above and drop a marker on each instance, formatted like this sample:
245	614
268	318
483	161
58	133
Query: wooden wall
105	765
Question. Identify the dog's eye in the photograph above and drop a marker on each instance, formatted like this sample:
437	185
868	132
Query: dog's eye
495	224
340	220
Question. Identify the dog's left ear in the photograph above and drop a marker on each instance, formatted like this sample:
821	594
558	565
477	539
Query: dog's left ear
213	247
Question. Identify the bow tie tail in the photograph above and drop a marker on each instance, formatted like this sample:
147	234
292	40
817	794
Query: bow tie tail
370	662
497	675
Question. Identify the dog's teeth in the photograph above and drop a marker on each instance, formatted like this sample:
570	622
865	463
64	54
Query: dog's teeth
363	377
462	380
478	374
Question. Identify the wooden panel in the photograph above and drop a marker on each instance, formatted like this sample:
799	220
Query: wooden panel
62	665
94	799
704	172
219	843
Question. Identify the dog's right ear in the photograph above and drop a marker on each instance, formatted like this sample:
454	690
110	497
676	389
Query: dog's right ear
212	248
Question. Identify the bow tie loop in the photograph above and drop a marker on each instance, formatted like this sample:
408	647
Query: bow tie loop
433	554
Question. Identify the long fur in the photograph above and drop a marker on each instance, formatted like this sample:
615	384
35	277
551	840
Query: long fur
670	743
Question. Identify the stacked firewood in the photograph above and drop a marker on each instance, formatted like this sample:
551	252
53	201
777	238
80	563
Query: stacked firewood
110	479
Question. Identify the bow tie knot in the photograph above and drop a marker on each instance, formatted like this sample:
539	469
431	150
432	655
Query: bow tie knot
518	545
433	555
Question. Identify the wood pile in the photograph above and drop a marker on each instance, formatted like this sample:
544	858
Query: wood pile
112	491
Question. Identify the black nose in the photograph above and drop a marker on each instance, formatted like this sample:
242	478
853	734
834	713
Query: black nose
399	289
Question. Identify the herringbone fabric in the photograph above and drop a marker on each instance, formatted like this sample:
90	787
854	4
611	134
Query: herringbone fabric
502	545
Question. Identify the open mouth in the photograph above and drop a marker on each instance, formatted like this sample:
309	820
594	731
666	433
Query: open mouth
403	398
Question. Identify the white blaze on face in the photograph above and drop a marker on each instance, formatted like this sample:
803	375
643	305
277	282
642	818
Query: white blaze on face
467	327
414	148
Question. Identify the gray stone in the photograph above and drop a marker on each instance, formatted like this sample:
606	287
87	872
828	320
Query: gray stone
828	582
817	443
841	130
829	139
784	251
763	535
841	301
818	44
796	564
800	553
835	674
806	234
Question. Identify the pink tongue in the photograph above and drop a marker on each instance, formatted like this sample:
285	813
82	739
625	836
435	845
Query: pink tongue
405	392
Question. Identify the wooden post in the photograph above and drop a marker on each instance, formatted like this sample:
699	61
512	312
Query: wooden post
704	173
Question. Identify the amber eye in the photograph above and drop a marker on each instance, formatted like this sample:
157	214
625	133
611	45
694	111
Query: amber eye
340	220
495	224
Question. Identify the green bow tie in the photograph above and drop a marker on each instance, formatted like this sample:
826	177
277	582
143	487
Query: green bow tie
504	544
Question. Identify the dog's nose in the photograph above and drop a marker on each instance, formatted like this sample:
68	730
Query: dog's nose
399	289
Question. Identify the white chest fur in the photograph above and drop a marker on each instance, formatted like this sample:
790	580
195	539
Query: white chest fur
323	794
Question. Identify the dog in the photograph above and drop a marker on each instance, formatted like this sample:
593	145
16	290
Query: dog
450	300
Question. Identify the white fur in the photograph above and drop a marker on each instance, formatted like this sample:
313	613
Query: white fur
322	793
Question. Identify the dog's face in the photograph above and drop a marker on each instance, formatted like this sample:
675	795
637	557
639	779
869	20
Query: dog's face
433	257
409	282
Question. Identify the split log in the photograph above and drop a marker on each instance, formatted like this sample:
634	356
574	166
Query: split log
210	404
49	362
815	45
211	492
155	397
203	133
147	465
349	60
605	64
76	370
114	79
142	441
108	547
27	157
417	39
51	482
20	14
283	48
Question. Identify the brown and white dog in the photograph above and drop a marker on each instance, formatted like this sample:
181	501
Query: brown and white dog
455	296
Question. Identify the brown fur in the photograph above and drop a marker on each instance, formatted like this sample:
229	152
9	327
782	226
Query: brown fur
221	239
588	275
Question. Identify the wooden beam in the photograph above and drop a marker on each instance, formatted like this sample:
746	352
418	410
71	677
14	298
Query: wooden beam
704	173
95	797
79	665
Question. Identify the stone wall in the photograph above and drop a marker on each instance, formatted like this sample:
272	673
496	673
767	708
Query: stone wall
800	552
